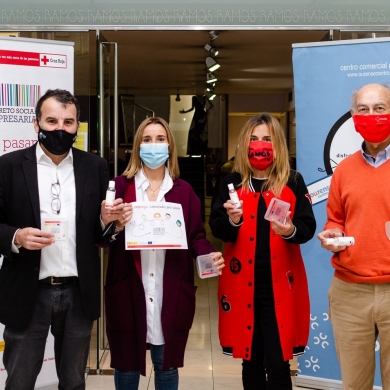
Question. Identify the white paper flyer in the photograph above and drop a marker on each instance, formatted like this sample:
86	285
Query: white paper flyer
156	225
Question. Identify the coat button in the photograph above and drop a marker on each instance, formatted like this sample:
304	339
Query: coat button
255	196
274	235
281	326
252	216
249	327
252	239
278	303
247	349
276	280
246	355
250	261
250	284
274	258
249	305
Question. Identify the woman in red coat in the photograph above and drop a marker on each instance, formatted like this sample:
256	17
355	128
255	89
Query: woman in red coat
150	294
264	312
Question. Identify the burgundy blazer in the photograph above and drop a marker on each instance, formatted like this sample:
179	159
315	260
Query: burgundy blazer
124	292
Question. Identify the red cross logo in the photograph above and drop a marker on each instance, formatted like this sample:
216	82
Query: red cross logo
44	60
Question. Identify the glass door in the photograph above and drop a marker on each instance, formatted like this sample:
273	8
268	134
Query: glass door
107	147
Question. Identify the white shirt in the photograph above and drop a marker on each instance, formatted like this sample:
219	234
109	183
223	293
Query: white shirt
59	258
152	264
380	159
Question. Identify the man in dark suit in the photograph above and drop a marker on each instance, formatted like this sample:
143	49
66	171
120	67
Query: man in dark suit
51	216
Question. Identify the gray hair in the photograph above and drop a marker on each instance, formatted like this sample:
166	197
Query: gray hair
353	103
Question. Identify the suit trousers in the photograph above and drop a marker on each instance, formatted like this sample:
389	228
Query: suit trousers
59	308
359	313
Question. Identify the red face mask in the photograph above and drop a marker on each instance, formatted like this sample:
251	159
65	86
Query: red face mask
373	128
260	154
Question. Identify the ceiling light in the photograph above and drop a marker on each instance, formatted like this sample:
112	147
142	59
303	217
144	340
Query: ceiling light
210	95
211	78
212	49
178	96
211	64
213	34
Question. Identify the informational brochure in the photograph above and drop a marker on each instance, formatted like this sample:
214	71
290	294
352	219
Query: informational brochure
156	225
56	226
277	210
205	266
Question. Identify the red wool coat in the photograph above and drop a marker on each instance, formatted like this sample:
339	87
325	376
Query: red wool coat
237	282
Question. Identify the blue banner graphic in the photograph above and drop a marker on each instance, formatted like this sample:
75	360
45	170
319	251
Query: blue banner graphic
325	76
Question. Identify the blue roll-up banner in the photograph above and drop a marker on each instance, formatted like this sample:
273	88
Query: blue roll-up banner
325	76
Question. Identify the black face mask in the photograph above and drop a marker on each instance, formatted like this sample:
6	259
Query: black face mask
57	142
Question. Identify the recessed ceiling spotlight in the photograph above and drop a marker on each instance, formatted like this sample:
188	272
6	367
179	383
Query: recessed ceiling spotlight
211	78
214	51
210	95
213	34
178	96
212	64
210	88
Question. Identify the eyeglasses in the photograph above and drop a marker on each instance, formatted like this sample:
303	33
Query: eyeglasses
56	202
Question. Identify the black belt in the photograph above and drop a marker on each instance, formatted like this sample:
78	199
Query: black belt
59	280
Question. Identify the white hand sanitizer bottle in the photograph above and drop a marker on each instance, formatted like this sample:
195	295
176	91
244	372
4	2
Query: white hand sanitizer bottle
341	241
110	195
233	196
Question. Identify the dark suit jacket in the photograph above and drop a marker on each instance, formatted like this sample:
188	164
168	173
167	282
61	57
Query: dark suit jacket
19	208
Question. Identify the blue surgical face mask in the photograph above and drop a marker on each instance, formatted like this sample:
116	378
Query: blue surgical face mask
154	154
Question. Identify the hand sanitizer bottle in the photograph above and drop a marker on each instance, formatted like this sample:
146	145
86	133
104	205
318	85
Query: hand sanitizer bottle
233	196
110	195
341	241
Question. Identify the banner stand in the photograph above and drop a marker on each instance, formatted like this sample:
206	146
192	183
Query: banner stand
325	76
321	383
28	68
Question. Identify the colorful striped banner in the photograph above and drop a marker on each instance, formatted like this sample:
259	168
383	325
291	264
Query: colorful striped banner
19	95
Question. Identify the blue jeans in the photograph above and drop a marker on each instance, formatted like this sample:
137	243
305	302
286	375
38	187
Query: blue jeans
60	309
163	380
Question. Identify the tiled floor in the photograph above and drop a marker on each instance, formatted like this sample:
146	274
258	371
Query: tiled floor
205	367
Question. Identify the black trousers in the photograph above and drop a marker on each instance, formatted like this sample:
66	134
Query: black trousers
59	309
266	370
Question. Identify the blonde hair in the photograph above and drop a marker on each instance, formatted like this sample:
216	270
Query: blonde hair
279	171
135	163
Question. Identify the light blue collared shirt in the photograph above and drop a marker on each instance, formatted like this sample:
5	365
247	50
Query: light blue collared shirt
380	158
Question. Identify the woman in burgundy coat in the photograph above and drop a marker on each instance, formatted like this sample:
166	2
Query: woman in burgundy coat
150	294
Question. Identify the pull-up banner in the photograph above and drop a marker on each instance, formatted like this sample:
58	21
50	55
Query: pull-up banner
325	76
29	67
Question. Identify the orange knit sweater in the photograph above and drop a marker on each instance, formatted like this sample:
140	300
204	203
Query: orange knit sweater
359	205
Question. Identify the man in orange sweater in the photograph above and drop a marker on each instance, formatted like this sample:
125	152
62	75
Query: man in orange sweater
359	206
